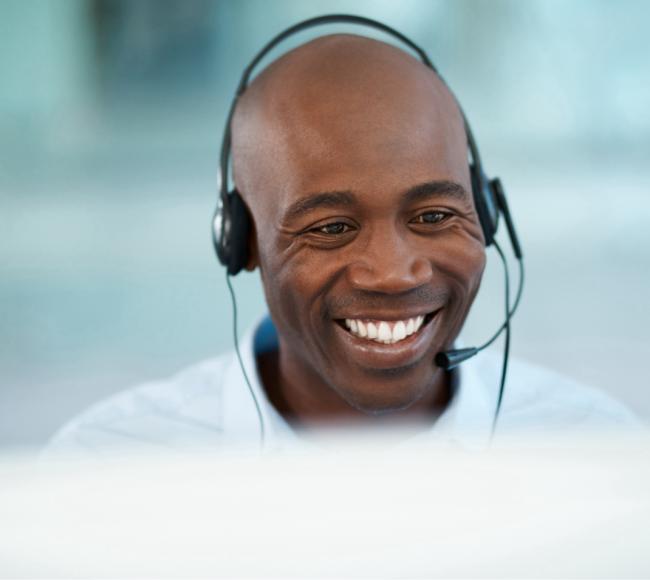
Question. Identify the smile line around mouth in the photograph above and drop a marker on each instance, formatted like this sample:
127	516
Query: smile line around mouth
386	331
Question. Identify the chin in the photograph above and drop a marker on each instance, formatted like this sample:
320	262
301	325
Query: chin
382	400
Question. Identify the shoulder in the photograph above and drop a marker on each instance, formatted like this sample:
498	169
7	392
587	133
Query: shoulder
537	396
182	409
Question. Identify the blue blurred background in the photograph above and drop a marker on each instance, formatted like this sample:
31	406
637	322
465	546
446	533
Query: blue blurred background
111	113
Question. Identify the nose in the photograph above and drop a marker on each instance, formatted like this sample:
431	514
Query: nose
390	263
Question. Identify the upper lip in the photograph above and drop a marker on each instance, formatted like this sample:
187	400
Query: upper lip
387	316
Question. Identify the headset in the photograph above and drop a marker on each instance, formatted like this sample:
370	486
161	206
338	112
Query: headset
231	223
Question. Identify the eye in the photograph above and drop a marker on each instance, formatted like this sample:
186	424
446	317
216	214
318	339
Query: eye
431	217
333	229
330	235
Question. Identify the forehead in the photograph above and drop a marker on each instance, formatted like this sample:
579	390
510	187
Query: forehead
367	114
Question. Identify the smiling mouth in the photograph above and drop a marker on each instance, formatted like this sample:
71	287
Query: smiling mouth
386	331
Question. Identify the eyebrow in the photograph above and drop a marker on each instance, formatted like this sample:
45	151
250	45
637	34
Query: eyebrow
443	188
317	200
420	192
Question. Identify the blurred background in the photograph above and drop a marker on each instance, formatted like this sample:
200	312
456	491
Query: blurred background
111	113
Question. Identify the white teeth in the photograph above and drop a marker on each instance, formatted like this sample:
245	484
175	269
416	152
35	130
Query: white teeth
399	331
383	331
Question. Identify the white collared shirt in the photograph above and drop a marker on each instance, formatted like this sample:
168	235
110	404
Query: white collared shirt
209	405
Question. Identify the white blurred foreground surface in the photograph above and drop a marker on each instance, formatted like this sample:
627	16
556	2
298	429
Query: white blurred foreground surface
565	508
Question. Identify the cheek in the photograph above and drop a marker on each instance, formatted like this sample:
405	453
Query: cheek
463	263
294	284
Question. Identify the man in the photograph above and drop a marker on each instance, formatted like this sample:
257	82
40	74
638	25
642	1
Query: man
351	157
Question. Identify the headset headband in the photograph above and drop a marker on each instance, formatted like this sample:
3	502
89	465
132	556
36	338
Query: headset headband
312	22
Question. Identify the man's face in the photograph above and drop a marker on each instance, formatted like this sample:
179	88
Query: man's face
367	239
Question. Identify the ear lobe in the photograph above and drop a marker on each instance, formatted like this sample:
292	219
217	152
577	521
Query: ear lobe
253	254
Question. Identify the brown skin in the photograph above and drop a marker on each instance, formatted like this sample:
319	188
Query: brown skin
348	114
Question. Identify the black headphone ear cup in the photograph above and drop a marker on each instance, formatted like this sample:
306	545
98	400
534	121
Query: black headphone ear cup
240	228
485	203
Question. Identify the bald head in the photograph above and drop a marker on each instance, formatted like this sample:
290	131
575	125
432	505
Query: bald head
339	97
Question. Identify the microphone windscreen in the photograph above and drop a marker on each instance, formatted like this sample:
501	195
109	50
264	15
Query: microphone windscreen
449	359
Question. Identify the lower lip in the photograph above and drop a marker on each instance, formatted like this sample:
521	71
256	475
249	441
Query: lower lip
369	353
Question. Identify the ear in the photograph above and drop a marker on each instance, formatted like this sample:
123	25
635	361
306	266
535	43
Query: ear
253	253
